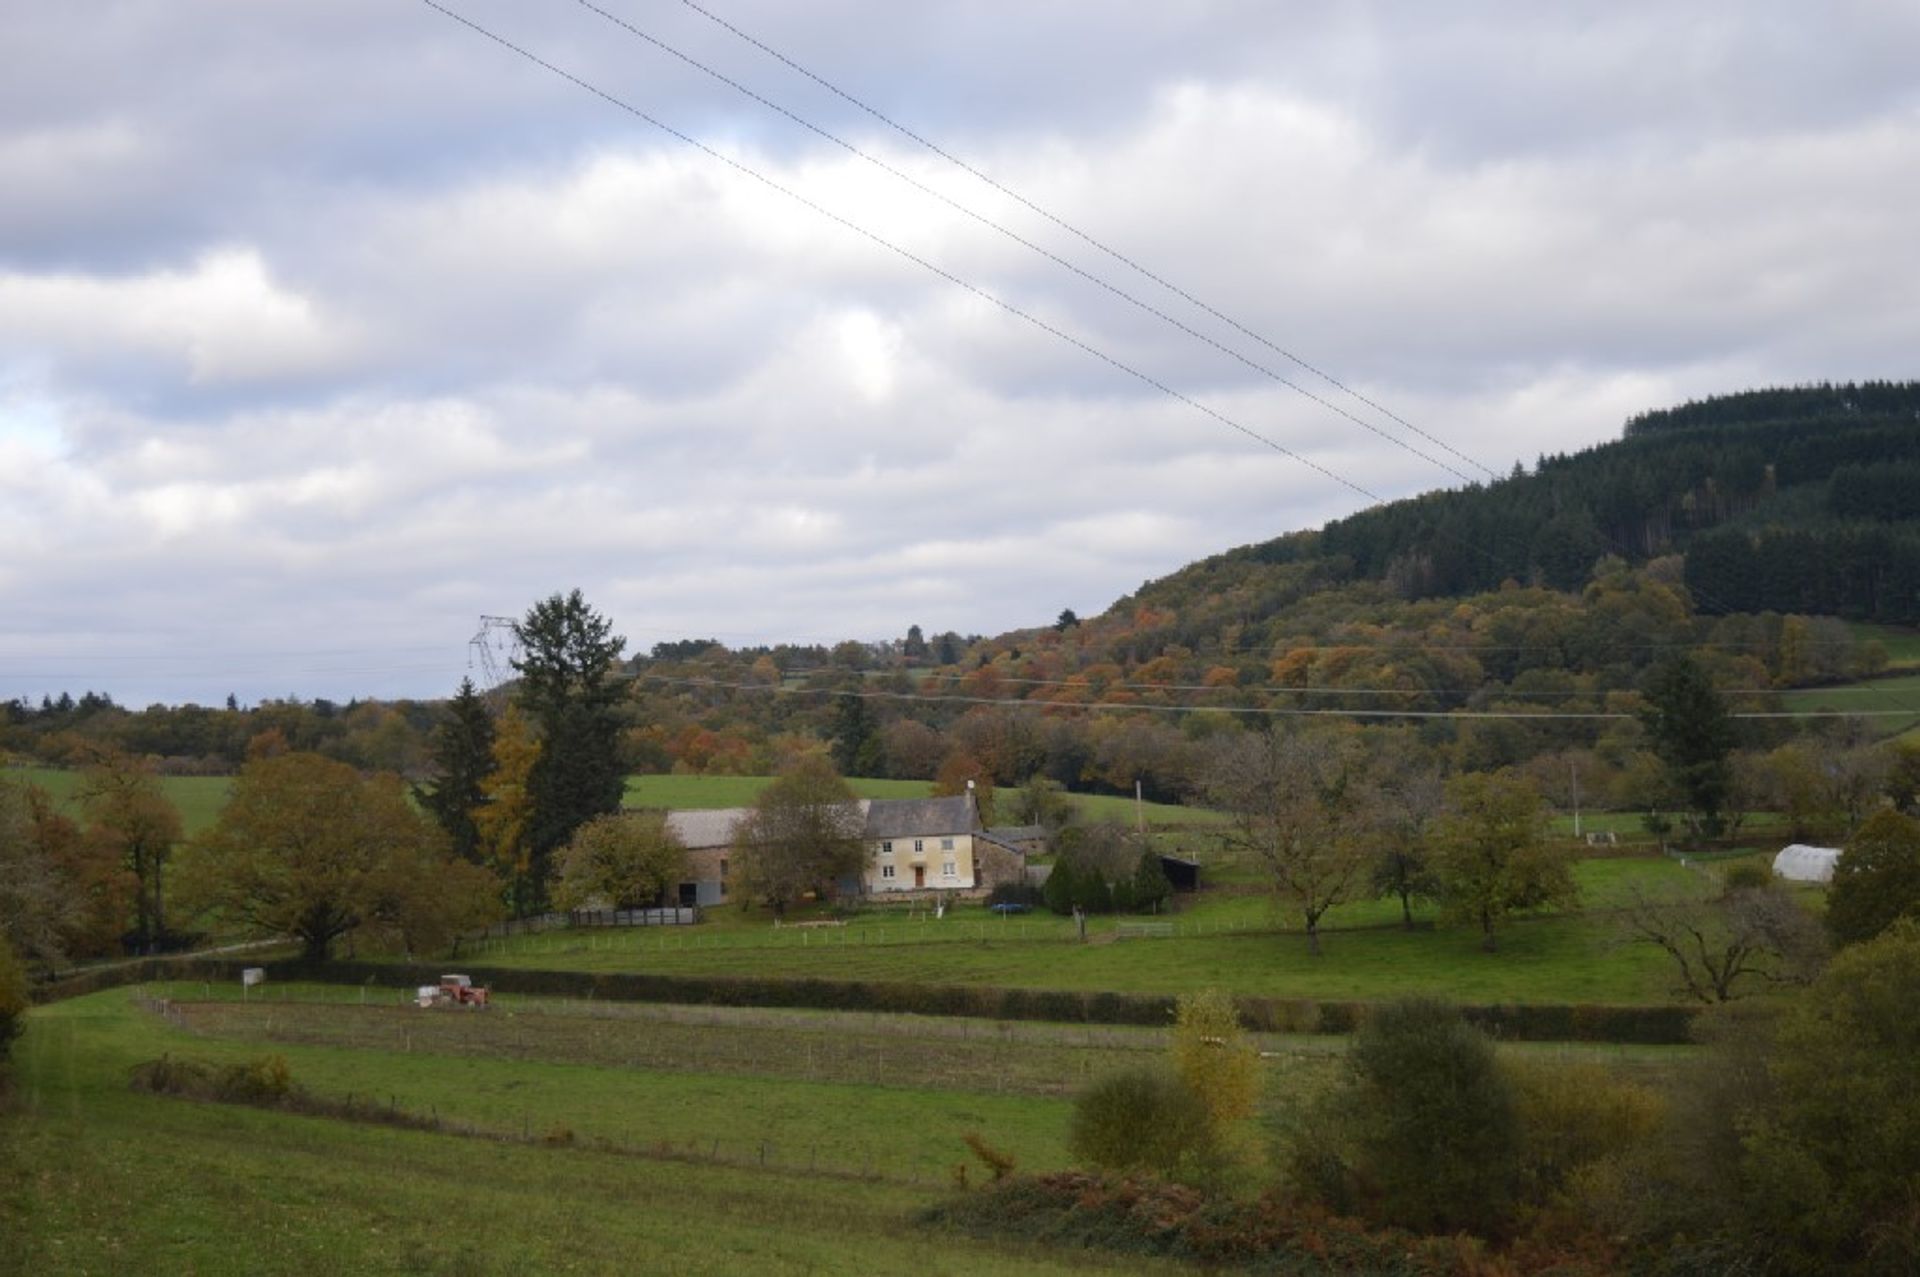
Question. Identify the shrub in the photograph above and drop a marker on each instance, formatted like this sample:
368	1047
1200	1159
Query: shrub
1745	875
1145	1119
1574	1117
1434	1125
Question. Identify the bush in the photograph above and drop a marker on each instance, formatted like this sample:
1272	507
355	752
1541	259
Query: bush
1432	1124
1574	1117
1745	875
1145	1119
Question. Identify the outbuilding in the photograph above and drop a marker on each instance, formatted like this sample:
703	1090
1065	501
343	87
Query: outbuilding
1802	863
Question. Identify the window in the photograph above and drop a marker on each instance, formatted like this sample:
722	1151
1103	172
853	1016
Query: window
946	870
886	871
946	844
886	849
919	844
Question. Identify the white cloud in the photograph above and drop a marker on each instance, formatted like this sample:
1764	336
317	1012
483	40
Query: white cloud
306	350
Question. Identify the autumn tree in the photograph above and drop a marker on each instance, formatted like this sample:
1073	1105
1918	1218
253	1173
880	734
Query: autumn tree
622	861
801	835
566	667
956	771
1491	856
1303	807
462	750
130	818
1214	1055
503	822
37	906
307	847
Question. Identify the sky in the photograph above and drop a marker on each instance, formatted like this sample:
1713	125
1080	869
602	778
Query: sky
328	327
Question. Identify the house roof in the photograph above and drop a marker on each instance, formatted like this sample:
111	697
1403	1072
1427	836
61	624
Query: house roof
880	818
707	828
908	817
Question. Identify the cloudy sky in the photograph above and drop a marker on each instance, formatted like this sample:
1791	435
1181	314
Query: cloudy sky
327	326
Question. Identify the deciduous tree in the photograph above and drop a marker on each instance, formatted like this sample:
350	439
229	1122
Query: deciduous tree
1302	806
1876	880
1748	935
801	835
1491	855
622	861
309	848
503	822
129	817
1214	1055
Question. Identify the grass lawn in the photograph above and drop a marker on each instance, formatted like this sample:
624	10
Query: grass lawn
96	1179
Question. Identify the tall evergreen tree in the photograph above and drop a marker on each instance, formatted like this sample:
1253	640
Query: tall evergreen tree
856	739
462	756
1691	734
568	653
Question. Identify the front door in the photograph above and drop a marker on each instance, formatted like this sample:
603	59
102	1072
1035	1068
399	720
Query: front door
919	875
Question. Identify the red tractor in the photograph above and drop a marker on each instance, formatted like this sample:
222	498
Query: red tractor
453	990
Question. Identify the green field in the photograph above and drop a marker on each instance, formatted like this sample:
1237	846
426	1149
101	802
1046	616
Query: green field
1902	643
199	798
1899	692
95	1179
706	792
1231	938
567	1136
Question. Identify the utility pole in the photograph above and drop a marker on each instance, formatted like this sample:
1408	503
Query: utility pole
1573	765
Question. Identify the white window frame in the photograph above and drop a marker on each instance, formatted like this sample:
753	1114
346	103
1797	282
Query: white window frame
946	844
948	869
886	871
919	844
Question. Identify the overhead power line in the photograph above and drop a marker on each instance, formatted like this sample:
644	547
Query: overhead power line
1086	238
1013	235
898	250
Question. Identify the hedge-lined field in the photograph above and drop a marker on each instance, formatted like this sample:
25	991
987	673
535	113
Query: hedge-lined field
94	1178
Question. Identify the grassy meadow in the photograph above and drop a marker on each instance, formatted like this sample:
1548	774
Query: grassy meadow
574	1137
97	1179
198	798
1231	937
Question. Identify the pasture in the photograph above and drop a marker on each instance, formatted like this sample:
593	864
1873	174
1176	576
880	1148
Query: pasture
1232	938
572	1136
198	798
705	792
